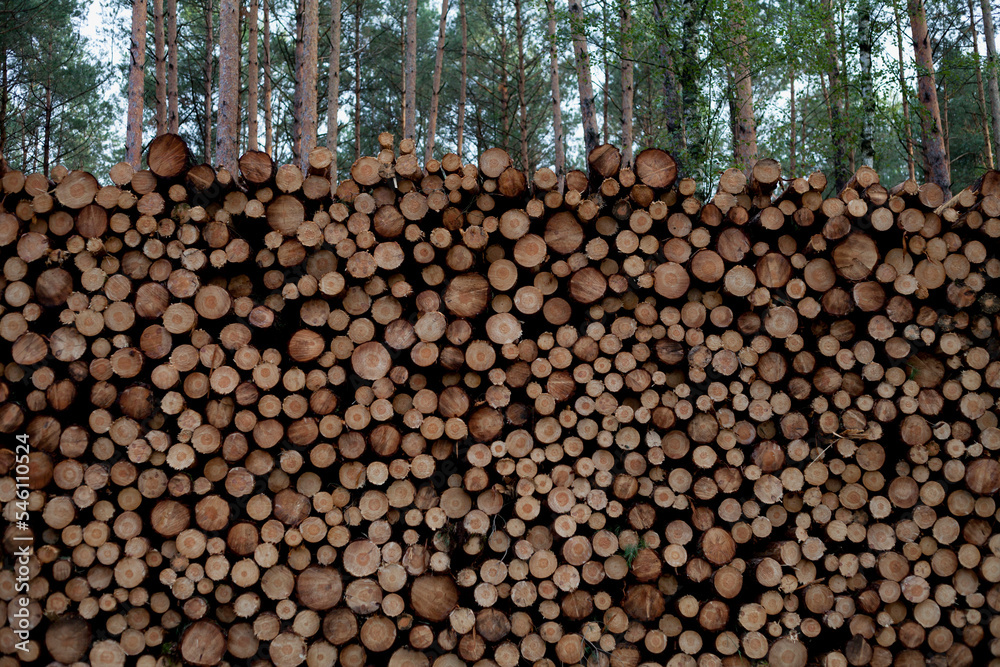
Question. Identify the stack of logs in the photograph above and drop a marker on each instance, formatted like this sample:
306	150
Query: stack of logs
442	414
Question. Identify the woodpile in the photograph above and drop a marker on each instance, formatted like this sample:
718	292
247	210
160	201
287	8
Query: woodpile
446	414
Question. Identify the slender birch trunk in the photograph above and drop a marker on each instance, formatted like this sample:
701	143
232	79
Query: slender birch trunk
837	133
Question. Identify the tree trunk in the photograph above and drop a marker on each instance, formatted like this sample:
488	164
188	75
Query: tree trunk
673	110
628	90
47	130
744	123
297	94
845	87
837	131
557	131
240	26
402	70
268	128
931	126
253	77
605	69
160	67
207	137
3	100
436	85
945	129
521	93
333	101
357	80
136	78
590	136
463	77
979	86
791	121
992	65
410	73
904	94
229	92
690	86
173	117
310	65
867	88
501	62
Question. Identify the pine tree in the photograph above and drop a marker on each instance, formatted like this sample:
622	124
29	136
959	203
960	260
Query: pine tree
932	130
226	136
578	23
136	85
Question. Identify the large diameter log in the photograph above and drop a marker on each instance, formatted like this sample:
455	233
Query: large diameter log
467	295
68	639
655	168
168	156
982	476
203	644
433	596
319	587
856	256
